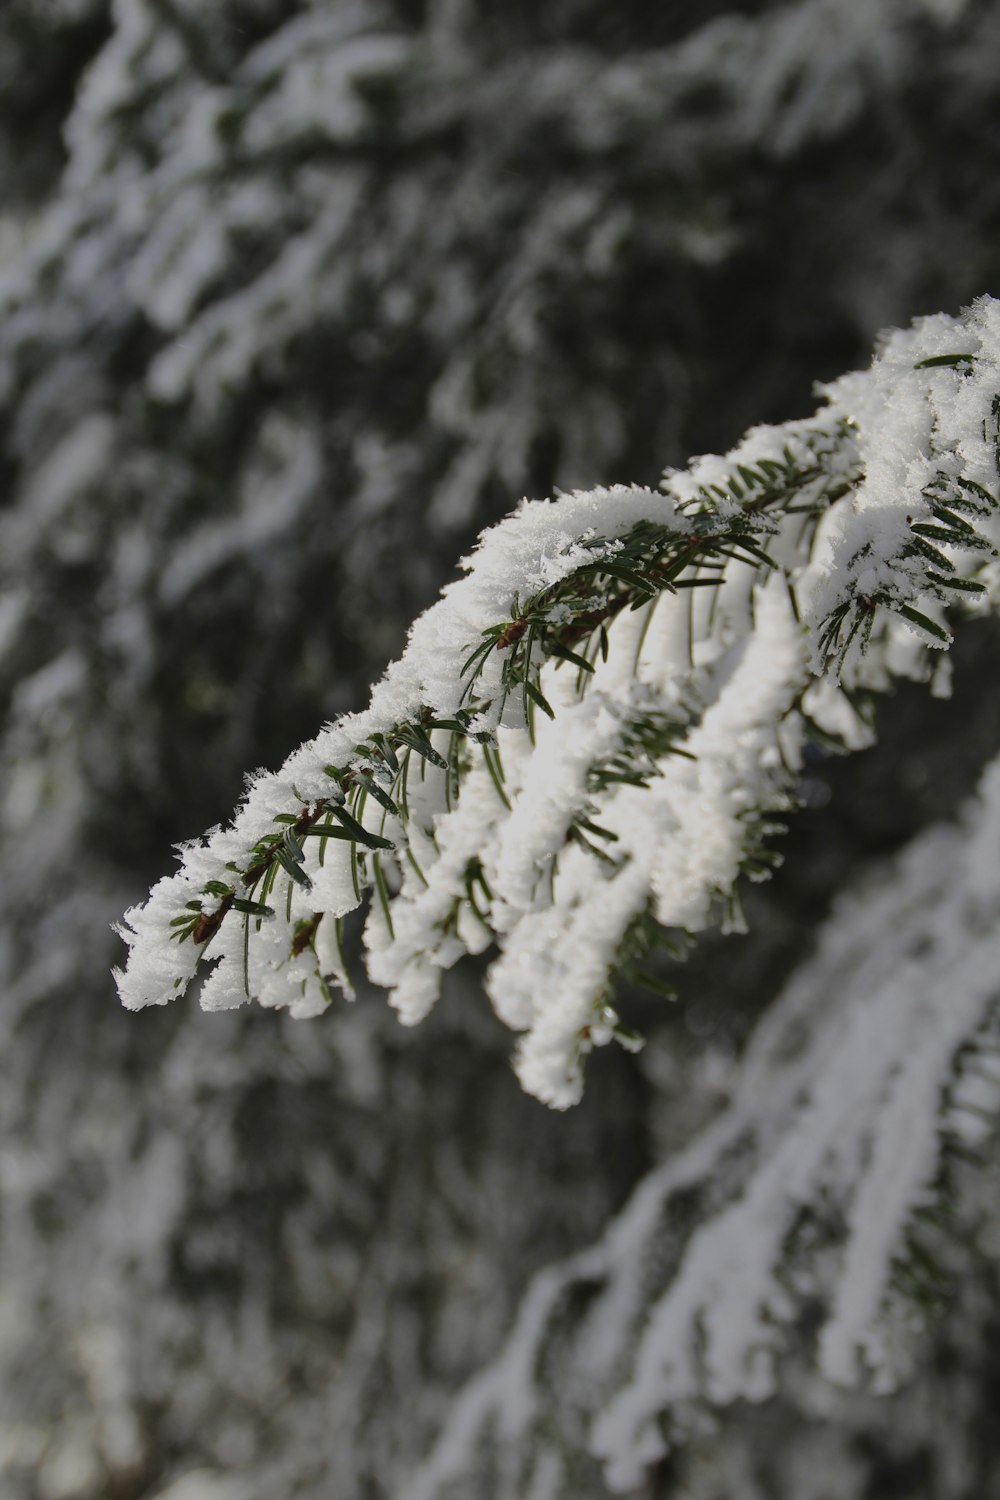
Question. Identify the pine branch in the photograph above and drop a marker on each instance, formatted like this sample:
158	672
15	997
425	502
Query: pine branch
604	718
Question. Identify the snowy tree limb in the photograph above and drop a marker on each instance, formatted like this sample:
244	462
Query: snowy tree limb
597	726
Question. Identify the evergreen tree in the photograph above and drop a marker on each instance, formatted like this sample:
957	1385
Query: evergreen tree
296	298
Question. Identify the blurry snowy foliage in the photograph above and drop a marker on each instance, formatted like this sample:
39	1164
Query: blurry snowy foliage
293	300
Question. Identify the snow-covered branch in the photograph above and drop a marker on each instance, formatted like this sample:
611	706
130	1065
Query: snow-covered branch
593	731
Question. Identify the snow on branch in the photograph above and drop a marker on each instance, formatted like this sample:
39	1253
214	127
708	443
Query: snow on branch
817	1188
594	731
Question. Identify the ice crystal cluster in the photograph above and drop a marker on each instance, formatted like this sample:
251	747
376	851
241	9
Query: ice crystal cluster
595	729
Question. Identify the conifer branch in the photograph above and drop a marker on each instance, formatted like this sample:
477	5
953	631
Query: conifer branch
602	723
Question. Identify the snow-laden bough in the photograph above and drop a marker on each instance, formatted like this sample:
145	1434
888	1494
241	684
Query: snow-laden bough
596	730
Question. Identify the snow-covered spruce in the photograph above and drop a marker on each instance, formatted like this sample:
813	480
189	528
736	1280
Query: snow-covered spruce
598	723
